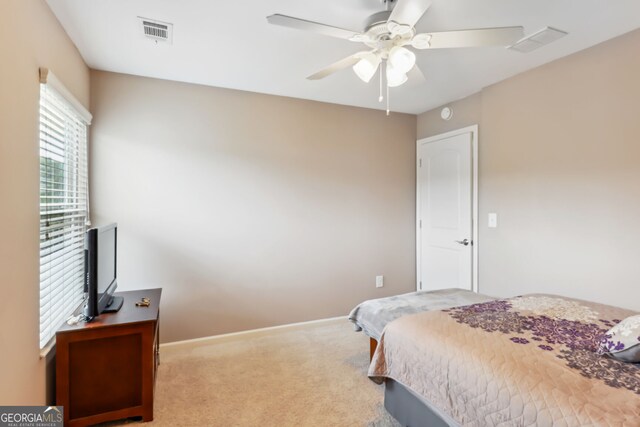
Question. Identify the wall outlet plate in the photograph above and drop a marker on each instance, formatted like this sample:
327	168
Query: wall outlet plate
493	220
379	281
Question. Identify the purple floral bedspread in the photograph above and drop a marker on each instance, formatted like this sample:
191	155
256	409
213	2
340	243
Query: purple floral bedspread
529	360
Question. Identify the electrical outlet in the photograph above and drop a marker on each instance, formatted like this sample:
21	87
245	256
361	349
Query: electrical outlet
379	281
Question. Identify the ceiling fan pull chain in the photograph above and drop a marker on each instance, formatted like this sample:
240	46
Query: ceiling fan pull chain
388	100
380	98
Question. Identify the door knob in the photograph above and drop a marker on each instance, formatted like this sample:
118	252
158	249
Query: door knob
464	242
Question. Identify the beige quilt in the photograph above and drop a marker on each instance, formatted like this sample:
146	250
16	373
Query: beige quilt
524	361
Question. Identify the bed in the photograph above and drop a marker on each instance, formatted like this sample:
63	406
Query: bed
524	361
372	316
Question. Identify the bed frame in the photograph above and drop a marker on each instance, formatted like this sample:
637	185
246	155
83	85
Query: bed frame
373	344
411	410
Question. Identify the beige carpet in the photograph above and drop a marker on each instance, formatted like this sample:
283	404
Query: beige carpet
309	376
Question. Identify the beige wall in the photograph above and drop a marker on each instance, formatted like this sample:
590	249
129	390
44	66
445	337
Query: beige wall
466	112
560	164
251	210
30	37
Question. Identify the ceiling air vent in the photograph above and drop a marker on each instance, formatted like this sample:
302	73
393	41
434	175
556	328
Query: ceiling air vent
157	30
538	39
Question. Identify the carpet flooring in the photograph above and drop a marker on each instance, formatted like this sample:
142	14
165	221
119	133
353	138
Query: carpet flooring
308	375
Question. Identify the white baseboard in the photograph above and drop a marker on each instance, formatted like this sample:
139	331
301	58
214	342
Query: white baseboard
252	332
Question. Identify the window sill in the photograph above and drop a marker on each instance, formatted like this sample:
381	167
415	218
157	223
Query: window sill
51	345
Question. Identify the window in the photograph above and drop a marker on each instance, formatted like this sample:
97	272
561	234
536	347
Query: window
63	204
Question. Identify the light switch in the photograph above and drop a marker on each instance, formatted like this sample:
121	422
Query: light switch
379	281
493	220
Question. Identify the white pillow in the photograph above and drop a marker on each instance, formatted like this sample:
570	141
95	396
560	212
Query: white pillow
623	340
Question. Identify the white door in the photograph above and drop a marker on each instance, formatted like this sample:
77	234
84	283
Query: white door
445	213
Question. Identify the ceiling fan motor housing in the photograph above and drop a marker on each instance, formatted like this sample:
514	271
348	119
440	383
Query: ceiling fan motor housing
378	34
376	19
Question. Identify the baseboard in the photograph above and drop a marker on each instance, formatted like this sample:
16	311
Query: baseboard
252	332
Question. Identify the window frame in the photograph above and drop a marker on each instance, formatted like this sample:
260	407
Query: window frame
63	204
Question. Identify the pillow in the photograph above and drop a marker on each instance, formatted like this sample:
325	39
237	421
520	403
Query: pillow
623	340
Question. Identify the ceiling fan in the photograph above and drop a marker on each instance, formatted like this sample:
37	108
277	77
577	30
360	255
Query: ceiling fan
390	34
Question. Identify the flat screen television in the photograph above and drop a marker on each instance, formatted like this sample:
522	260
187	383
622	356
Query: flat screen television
100	266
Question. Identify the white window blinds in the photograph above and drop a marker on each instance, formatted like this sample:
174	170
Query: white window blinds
63	203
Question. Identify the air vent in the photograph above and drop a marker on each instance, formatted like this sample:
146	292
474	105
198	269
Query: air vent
538	39
157	30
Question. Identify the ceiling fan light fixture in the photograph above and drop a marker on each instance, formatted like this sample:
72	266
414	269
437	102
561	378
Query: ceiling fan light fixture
402	59
366	68
421	41
395	76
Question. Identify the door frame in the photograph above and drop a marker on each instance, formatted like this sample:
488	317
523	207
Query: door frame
474	202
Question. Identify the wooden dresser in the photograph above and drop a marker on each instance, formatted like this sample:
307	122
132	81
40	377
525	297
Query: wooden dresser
106	369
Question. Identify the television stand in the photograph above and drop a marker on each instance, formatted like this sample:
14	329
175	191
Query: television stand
106	369
114	305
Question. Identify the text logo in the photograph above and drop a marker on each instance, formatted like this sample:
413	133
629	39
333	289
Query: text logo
31	416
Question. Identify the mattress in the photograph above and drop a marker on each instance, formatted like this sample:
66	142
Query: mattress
524	361
373	315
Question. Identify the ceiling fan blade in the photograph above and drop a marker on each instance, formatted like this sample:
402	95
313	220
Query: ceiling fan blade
504	36
336	66
303	24
409	12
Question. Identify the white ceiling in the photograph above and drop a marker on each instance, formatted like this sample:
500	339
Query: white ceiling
229	43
